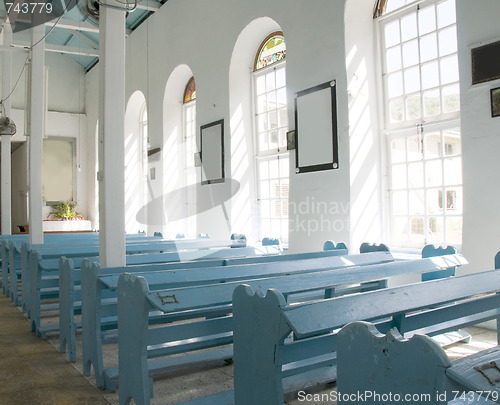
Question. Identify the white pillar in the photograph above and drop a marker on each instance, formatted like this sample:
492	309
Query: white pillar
37	131
111	137
5	169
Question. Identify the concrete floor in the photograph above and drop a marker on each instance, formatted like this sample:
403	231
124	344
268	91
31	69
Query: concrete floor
33	372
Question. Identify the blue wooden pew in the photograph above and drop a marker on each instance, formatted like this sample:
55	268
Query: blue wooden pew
143	245
99	295
70	278
138	341
363	352
70	282
17	241
12	265
430	307
44	282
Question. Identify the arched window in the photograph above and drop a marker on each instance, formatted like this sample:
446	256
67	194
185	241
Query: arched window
418	45
189	129
271	125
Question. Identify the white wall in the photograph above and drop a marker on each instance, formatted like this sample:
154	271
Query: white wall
135	198
217	51
315	54
66	89
478	25
65	118
366	151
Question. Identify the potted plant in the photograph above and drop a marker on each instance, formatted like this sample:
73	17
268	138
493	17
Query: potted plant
65	211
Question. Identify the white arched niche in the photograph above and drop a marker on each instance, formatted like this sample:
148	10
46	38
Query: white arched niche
244	209
175	200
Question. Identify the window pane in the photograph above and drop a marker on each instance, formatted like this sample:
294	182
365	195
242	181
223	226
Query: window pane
273	140
416	200
264	209
270	81
280	77
264	189
417	230
427	20
271	100
446	13
415	175
409	27
274	169
431	103
392	36
451	98
433	145
261	104
413	109
415	148
284	165
435	201
393	59
435	226
398	150
263	142
428	47
395	84
448	41
399	176
410	53
396	109
394	5
281	97
400	228
272	120
433	173
453	171
263	170
430	75
275	188
452	143
282	137
454	230
283	118
262	122
454	200
412	80
400	203
260	84
449	69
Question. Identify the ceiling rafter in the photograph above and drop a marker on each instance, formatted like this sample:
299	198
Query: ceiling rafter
70	50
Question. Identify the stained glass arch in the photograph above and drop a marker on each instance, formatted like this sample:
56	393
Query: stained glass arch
190	91
271	50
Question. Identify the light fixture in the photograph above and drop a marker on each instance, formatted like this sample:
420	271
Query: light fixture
7	126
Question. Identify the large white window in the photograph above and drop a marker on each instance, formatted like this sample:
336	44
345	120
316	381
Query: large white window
422	106
271	125
189	123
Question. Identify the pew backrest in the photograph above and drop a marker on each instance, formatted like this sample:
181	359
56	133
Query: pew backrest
265	322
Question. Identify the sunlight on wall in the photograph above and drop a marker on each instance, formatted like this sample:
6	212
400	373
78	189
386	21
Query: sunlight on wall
174	204
240	156
366	201
244	212
134	176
